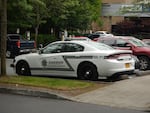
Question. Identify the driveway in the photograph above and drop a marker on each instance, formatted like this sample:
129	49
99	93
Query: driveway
131	93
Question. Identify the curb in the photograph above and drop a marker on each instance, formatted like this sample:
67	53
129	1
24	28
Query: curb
143	73
34	93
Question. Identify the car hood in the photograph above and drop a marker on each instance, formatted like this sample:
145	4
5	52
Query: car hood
146	48
27	55
142	51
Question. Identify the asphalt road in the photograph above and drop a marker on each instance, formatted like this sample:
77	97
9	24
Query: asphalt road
25	104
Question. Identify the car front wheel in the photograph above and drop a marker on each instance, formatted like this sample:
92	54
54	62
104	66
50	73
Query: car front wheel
22	68
144	62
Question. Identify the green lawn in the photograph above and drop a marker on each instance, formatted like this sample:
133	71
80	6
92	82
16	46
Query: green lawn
52	83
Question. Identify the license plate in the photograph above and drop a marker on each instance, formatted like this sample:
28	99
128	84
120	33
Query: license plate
127	65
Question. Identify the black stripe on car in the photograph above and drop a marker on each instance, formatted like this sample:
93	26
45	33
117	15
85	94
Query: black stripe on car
66	61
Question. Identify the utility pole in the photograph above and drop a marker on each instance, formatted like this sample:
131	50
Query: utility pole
3	33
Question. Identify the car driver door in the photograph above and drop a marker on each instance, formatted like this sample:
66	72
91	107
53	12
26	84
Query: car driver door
52	59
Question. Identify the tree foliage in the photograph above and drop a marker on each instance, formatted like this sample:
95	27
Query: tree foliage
18	11
58	14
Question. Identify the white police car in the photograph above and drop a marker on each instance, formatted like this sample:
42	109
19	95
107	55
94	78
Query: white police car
82	59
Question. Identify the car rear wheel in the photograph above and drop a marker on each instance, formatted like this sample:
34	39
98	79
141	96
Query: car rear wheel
144	62
22	68
87	71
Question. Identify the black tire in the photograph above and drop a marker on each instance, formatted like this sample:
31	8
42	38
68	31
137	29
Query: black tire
144	62
113	78
87	71
22	68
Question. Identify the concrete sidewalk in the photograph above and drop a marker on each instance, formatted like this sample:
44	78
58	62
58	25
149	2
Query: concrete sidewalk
131	93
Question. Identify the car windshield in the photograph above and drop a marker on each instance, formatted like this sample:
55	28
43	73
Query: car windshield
100	46
138	42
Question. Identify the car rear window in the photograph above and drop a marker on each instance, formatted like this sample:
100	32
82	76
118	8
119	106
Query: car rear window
138	42
109	42
100	46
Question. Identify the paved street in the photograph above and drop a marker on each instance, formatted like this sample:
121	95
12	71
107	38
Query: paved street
25	104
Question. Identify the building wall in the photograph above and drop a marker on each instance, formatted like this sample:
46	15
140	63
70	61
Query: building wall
117	1
109	21
112	16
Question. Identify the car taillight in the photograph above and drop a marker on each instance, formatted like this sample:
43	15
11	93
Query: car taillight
18	43
95	39
116	56
112	57
34	44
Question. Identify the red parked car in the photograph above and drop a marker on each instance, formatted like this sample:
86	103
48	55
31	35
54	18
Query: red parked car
138	47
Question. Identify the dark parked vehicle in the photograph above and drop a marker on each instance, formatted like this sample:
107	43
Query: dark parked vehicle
138	47
99	34
16	45
94	37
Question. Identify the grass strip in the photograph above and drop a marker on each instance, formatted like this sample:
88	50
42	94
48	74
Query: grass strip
52	83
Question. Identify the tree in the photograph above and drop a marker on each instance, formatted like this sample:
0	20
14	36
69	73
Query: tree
3	35
26	14
18	12
95	7
56	14
0	25
38	15
73	14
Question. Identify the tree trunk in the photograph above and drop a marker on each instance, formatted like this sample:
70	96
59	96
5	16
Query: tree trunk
3	36
0	32
37	25
36	35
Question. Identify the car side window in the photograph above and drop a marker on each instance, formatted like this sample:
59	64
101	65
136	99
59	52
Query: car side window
109	42
54	48
121	43
72	47
94	36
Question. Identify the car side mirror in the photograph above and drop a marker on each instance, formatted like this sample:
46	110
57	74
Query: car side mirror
40	51
40	46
